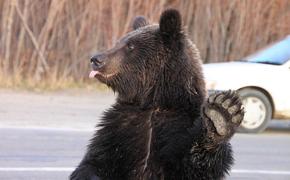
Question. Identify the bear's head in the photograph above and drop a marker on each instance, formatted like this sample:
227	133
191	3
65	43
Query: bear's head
153	64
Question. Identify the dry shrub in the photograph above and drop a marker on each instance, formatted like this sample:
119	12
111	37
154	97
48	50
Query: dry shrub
51	41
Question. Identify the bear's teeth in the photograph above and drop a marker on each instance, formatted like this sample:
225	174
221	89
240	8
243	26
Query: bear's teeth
93	74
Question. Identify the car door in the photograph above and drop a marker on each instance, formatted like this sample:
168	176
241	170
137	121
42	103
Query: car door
282	96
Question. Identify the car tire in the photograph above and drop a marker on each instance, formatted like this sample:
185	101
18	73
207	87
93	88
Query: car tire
258	111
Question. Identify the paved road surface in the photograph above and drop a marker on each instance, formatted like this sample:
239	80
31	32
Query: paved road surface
43	136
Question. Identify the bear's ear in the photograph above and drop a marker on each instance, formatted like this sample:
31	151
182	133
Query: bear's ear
139	21
170	23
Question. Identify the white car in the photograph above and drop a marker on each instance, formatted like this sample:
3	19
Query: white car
262	80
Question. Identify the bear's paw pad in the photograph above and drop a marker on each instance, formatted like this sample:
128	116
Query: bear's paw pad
225	111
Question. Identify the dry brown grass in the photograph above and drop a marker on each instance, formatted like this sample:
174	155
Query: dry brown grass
48	43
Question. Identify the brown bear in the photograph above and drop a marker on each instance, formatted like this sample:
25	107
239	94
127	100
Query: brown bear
162	126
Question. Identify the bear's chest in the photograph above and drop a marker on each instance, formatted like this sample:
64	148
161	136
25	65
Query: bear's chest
139	140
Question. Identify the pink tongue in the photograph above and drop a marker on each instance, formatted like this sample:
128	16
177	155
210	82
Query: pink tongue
93	74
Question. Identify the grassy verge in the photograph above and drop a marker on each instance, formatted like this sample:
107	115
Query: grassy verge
18	83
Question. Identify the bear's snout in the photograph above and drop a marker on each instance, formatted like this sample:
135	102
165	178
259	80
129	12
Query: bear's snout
97	61
103	66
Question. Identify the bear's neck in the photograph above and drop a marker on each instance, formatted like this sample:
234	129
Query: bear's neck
170	95
174	96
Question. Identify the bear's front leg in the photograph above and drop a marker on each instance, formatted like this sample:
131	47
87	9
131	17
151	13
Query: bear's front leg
223	114
84	172
211	154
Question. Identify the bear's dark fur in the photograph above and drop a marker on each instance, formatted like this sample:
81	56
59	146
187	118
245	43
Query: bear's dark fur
162	127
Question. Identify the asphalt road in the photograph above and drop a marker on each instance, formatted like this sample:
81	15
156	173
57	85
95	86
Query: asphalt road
44	136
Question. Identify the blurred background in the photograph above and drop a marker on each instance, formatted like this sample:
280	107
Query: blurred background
48	43
49	107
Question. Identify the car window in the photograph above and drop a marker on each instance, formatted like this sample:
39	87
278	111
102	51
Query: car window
277	53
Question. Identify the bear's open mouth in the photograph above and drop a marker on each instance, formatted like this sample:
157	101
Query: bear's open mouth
93	74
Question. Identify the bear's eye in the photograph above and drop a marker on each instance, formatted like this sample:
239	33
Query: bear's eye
130	46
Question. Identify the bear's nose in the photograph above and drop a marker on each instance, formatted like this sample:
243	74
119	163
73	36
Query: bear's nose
97	61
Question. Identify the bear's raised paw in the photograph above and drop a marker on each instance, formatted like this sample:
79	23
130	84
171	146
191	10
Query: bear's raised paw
223	113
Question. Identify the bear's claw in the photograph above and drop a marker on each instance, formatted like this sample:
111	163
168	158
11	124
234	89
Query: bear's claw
223	114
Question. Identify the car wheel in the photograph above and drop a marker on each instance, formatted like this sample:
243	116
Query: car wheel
258	111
